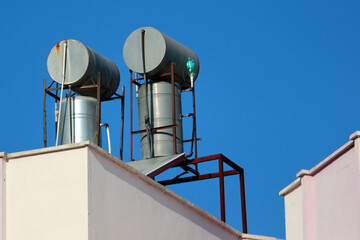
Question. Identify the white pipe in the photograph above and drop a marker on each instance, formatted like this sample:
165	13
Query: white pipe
61	93
108	134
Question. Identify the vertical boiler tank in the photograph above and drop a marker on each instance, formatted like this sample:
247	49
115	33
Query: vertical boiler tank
150	53
78	121
160	113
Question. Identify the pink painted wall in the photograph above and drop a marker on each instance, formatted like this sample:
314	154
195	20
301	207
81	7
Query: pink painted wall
333	209
330	196
2	155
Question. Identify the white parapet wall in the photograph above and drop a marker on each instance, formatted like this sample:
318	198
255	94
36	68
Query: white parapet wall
324	202
79	191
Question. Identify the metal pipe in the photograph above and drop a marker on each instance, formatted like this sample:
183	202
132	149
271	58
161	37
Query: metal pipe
194	117
44	114
131	116
197	178
192	141
108	134
122	122
56	99
61	92
222	189
70	114
243	203
173	105
98	109
189	169
155	129
147	115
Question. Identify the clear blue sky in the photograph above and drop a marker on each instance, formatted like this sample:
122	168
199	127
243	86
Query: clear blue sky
278	89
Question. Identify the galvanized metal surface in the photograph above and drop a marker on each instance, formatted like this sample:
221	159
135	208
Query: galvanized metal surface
160	51
154	166
82	65
161	114
82	125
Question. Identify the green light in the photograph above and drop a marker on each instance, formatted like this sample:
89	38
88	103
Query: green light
190	66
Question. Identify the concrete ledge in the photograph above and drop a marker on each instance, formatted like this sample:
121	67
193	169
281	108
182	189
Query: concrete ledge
327	161
355	135
294	185
324	163
59	148
256	237
3	154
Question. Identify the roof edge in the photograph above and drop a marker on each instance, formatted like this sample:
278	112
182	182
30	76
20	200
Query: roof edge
165	190
33	152
320	166
294	185
326	162
130	169
355	135
257	237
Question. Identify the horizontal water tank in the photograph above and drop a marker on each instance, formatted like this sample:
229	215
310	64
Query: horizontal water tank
82	65
82	125
160	113
160	50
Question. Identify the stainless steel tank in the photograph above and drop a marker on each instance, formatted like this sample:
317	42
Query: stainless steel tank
82	65
83	123
159	50
160	113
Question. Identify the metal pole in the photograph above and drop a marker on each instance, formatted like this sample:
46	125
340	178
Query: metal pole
44	113
243	203
56	104
222	189
122	122
173	105
70	115
98	109
131	116
62	90
194	112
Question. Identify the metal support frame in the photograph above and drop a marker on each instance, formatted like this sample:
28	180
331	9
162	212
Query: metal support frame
194	138
237	170
49	91
173	126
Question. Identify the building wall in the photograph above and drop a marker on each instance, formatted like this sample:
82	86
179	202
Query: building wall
79	191
293	212
328	197
124	206
336	192
46	196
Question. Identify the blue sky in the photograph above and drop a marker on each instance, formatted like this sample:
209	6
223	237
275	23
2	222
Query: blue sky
277	90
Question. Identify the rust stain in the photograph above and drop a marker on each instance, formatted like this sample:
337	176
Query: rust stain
58	49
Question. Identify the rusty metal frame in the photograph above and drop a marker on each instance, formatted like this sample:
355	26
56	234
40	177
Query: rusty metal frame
135	81
49	91
237	170
173	125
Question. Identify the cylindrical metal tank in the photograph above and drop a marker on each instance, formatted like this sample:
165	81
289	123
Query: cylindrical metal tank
83	123
159	50
160	111
82	65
